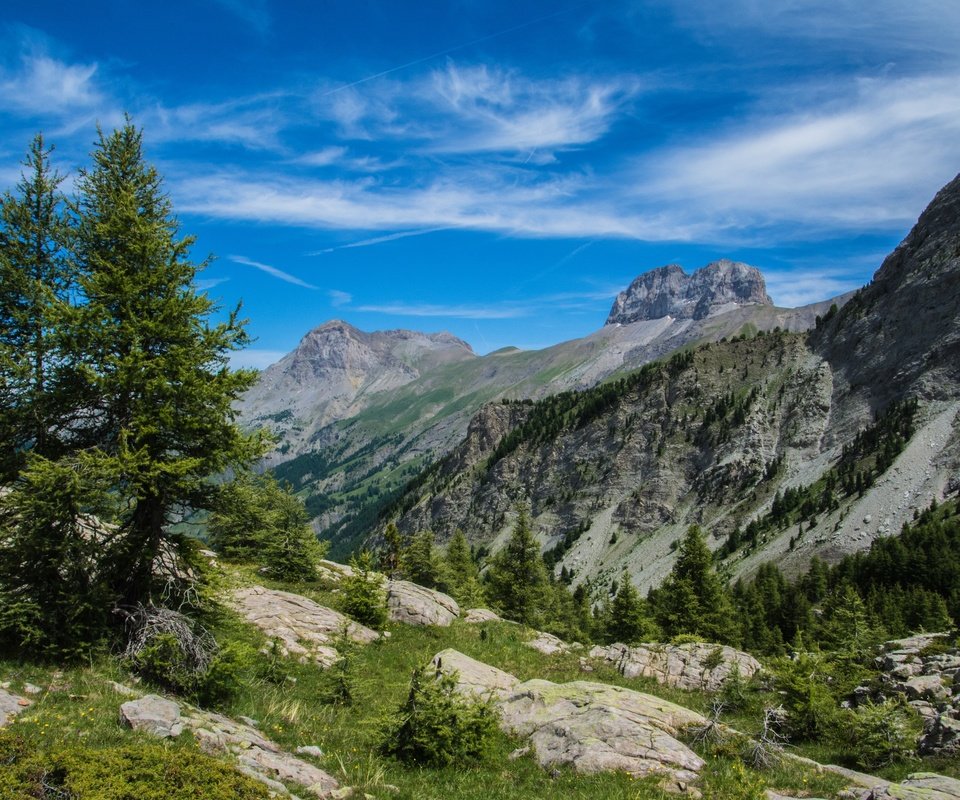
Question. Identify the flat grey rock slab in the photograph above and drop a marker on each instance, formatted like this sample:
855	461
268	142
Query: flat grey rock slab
11	705
413	604
548	644
477	615
592	727
305	629
253	752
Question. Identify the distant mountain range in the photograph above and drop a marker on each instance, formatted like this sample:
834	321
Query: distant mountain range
787	433
357	415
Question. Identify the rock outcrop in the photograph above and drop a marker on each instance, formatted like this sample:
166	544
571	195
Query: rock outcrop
925	669
696	666
11	705
478	615
412	604
216	734
305	629
669	291
591	727
549	645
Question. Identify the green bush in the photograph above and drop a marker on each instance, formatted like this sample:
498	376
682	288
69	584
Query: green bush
812	711
437	726
141	771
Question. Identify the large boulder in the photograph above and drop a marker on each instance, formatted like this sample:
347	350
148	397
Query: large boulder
592	727
10	706
694	666
304	628
413	604
154	715
477	615
475	677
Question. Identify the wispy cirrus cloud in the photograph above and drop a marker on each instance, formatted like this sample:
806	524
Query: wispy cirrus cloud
869	158
482	109
273	271
453	311
253	12
39	84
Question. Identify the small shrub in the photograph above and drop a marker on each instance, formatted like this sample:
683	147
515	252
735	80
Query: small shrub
438	727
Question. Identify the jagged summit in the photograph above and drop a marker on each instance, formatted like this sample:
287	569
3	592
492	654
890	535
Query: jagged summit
669	291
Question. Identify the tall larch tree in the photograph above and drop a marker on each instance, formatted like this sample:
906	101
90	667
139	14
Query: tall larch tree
153	366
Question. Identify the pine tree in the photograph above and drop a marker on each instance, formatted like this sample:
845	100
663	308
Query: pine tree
463	577
629	622
393	554
157	388
420	561
35	281
517	578
258	519
693	600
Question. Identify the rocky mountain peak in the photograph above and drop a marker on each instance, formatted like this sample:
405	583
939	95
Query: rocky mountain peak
669	291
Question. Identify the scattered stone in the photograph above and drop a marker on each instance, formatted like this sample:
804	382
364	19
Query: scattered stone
10	706
304	628
29	688
249	721
548	644
694	666
310	750
520	752
216	734
476	615
416	605
924	687
941	735
913	644
592	727
154	715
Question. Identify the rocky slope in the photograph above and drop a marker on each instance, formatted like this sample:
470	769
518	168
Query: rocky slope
714	435
358	415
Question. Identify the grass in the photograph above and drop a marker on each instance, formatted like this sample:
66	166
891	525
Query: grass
82	708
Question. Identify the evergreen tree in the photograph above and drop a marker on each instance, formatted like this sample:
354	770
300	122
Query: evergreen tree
157	389
55	556
517	578
462	574
258	519
35	281
364	597
421	563
693	600
629	622
394	550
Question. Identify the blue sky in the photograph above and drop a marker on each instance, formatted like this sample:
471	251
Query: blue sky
501	169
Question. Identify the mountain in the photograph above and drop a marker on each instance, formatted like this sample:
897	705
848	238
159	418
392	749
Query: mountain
669	291
783	445
358	415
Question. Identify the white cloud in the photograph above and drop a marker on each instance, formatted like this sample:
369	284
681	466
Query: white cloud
872	158
255	359
802	287
44	85
339	298
455	311
276	273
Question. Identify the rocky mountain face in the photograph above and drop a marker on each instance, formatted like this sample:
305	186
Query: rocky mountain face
669	291
335	368
721	434
358	415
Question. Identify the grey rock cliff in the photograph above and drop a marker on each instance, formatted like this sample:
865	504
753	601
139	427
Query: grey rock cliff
669	291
